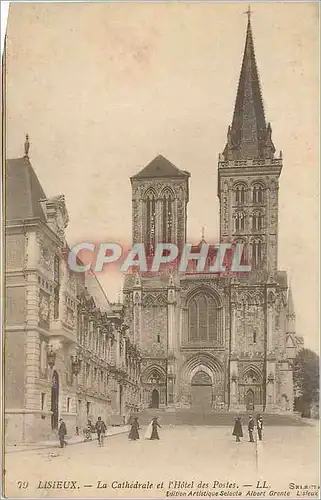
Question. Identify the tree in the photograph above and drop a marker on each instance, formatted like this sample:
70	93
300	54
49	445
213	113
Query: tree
306	380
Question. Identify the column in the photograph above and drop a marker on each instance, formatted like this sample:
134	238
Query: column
117	336
142	221
233	328
270	328
137	317
234	383
271	385
175	222
170	326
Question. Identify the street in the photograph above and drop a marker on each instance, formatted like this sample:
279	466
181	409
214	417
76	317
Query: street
185	455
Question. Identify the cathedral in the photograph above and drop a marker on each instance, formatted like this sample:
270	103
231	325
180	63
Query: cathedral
216	342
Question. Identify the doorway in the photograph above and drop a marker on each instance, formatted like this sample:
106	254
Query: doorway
155	398
201	392
54	400
249	400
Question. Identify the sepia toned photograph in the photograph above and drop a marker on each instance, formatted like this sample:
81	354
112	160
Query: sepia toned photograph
160	264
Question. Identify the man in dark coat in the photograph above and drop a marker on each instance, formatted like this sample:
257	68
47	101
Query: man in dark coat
237	430
259	426
101	429
155	424
134	434
62	432
251	428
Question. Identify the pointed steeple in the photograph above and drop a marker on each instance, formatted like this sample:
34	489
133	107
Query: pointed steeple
290	313
249	137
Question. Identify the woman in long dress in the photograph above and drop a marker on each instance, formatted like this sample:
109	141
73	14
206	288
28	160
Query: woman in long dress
149	430
134	434
155	425
237	430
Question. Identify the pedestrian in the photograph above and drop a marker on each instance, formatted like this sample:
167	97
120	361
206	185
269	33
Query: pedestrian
134	434
259	426
101	429
62	432
90	426
155	426
237	430
149	430
251	428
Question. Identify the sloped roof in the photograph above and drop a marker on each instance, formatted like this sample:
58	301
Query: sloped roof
160	167
22	190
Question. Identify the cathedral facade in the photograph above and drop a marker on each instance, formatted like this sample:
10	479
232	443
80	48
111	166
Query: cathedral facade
216	342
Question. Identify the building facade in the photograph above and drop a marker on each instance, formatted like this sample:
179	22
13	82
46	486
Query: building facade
223	341
67	352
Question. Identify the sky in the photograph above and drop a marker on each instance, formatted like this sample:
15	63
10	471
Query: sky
102	89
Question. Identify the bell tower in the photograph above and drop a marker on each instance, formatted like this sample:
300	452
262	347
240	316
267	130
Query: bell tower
160	197
248	172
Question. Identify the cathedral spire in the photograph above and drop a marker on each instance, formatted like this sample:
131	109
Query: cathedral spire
290	314
249	137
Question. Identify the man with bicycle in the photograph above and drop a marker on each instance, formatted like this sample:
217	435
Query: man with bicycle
101	429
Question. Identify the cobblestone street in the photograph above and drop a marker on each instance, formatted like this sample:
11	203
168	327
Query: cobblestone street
208	454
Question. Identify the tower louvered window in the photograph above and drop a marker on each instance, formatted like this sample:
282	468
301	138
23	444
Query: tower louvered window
257	221
240	221
240	195
257	254
258	194
151	222
167	210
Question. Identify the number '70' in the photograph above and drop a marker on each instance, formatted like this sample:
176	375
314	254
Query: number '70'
22	485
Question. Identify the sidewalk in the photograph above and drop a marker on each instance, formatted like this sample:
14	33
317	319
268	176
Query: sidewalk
41	445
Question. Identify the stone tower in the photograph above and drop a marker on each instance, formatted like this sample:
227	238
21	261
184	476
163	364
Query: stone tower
248	173
211	342
160	197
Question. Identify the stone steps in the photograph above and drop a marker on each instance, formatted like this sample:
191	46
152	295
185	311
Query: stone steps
222	418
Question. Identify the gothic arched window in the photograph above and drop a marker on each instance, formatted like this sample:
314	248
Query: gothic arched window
257	256
241	241
193	320
239	221
203	315
167	216
258	193
257	221
240	194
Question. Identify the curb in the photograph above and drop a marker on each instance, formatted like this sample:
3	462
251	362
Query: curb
52	446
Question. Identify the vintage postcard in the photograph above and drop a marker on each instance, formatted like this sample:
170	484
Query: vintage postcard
161	270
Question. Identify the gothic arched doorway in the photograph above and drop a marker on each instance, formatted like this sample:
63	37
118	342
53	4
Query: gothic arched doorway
54	400
249	400
201	391
155	398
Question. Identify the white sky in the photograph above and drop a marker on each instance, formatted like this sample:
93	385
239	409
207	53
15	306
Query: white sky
103	88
